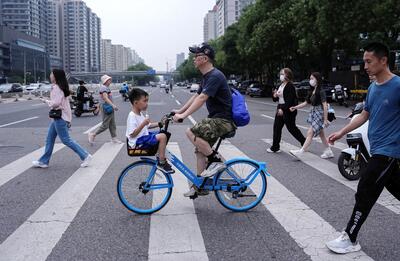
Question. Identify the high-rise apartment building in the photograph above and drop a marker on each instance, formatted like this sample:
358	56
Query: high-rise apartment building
210	25
228	12
26	16
180	58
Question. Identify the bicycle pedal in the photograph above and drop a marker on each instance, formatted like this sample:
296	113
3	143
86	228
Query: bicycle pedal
194	196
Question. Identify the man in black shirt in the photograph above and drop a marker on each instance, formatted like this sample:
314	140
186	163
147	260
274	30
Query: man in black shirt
216	94
80	94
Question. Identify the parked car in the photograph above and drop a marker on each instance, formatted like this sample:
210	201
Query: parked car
194	87
11	87
302	89
33	86
188	85
257	89
243	86
231	85
163	85
328	87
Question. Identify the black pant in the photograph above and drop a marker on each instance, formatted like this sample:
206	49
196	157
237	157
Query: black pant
81	101
288	119
380	172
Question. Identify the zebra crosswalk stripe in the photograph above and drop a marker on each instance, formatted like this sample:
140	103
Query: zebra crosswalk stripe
331	170
178	215
17	167
305	226
35	239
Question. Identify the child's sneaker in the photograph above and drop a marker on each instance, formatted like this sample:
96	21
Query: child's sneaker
166	167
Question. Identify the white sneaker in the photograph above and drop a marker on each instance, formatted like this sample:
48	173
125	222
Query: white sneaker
327	154
214	168
272	151
190	193
38	164
343	244
296	153
86	161
193	190
91	138
116	141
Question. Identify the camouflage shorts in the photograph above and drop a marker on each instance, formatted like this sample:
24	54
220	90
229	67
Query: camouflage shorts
210	129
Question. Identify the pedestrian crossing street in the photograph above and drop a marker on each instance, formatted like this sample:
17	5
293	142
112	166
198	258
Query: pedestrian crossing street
174	232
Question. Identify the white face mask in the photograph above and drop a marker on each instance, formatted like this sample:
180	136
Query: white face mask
282	77
313	83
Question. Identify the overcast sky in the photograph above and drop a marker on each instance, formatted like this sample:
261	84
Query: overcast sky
156	29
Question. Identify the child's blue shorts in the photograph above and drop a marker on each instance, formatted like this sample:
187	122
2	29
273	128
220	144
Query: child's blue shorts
147	141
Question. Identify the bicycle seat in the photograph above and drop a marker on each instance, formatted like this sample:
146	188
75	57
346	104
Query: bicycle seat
228	135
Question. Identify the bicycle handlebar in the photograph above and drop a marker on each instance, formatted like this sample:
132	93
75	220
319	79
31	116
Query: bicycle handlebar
169	118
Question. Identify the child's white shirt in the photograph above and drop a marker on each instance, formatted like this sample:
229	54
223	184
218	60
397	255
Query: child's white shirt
133	123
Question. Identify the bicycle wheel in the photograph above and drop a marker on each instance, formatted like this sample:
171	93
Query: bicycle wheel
240	186
143	189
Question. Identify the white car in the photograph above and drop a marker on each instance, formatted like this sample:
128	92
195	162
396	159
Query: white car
194	87
33	87
163	85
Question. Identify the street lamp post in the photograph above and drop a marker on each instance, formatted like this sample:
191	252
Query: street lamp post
24	67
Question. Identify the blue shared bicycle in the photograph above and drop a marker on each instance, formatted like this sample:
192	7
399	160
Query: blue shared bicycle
144	189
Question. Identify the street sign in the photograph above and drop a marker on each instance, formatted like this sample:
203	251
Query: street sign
151	72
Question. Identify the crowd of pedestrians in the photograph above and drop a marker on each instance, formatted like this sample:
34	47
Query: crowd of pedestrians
382	109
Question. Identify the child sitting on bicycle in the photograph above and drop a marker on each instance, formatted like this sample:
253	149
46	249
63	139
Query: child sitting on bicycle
138	125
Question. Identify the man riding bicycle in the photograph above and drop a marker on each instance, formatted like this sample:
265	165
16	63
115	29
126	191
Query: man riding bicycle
215	92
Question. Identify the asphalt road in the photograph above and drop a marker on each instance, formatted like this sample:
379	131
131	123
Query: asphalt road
68	213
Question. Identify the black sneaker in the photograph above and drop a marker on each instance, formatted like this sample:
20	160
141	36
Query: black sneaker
166	167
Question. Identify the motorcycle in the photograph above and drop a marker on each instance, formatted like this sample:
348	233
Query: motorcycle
339	95
89	106
353	159
125	96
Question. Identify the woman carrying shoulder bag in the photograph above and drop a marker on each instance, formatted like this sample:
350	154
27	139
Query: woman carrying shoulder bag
61	119
286	97
107	108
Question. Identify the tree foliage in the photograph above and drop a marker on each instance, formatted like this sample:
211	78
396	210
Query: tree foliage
142	80
304	35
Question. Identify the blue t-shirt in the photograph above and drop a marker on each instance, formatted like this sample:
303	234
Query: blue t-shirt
219	102
383	105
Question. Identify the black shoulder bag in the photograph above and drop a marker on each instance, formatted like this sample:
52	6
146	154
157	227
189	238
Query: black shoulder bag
55	114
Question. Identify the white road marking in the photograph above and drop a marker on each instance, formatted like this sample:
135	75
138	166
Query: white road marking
174	231
304	225
36	238
17	167
338	145
15	122
274	105
272	118
192	120
39	104
177	102
331	170
93	128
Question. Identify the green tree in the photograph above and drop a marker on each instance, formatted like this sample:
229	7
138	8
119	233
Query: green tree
187	70
142	80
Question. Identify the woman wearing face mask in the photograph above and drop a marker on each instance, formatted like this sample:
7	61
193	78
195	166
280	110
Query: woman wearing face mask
286	97
318	117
